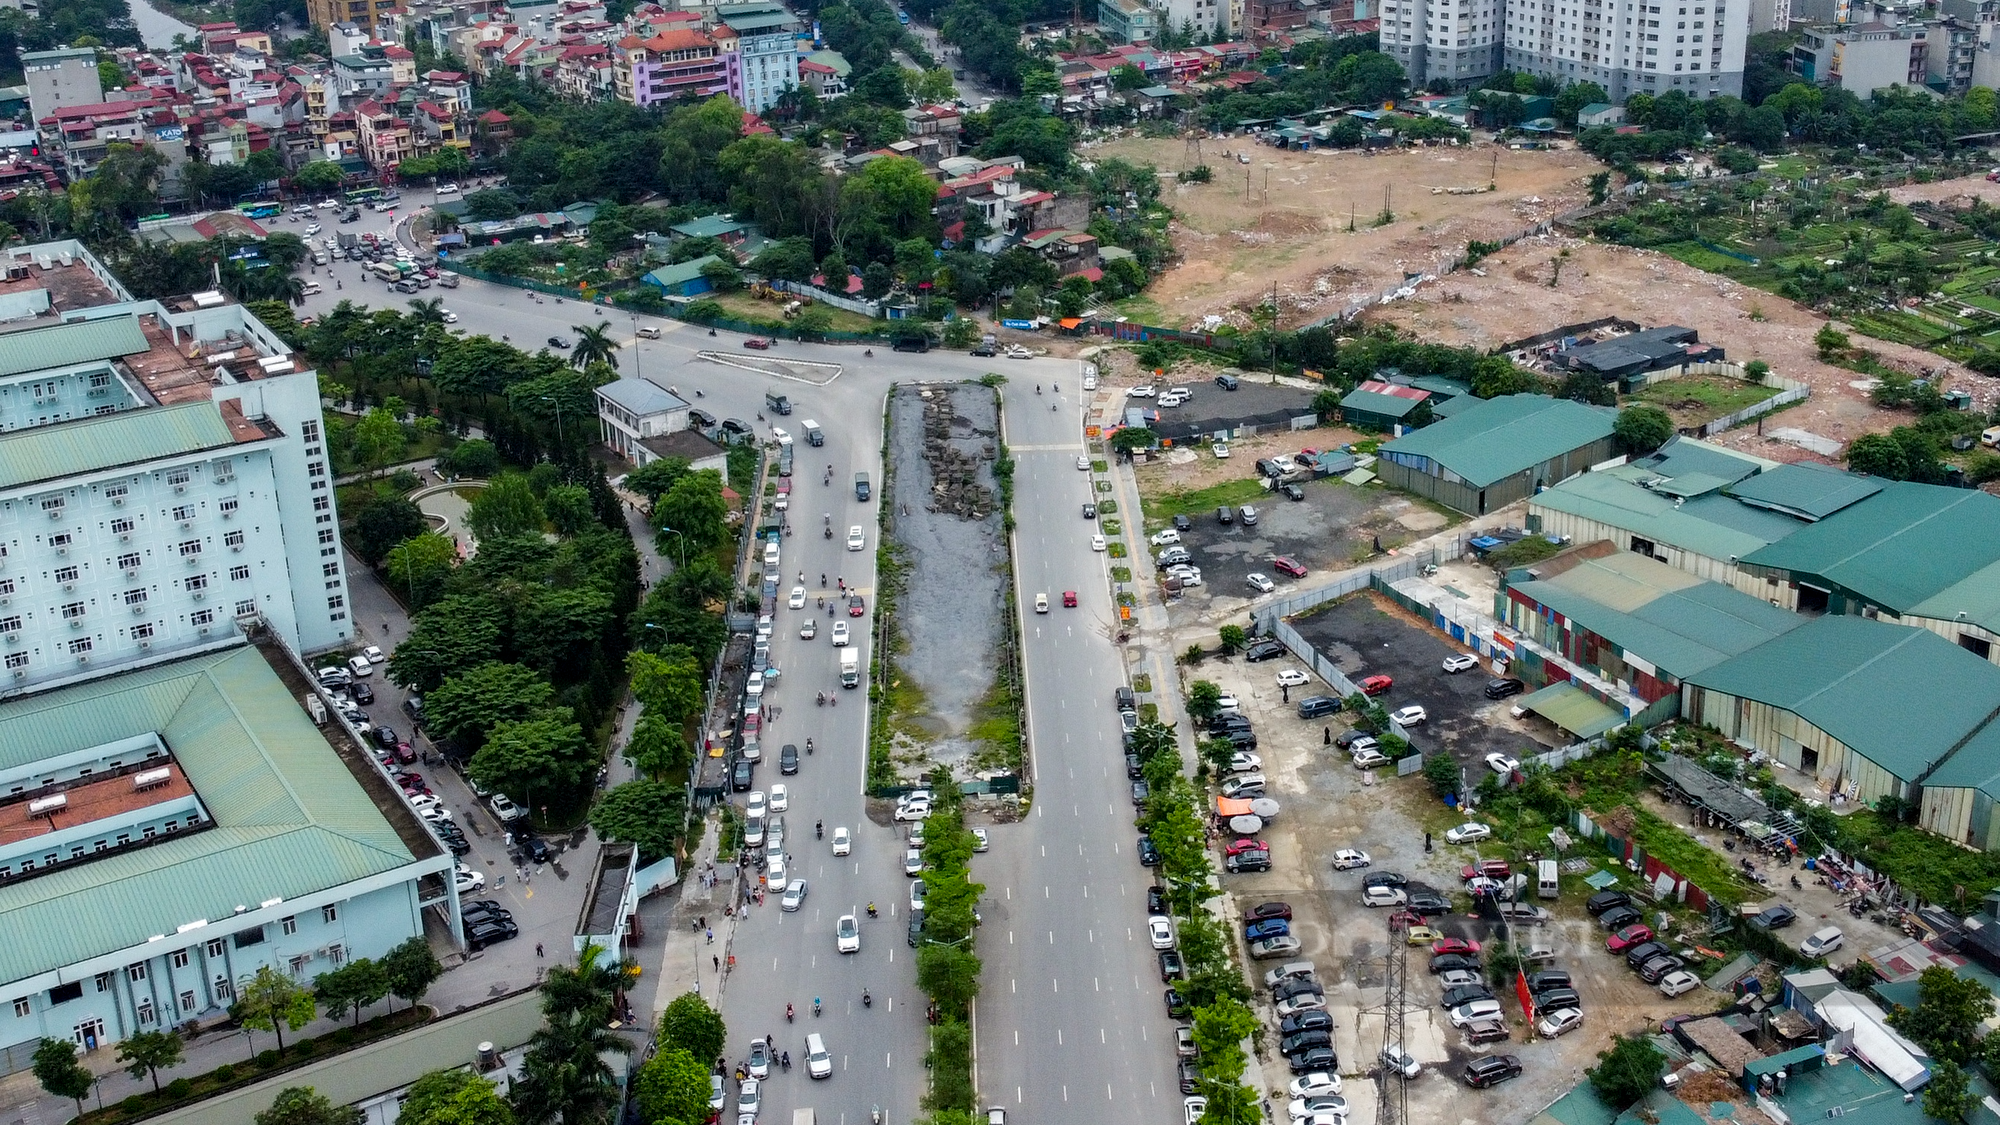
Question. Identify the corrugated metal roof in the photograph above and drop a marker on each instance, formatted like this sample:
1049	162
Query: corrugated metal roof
1506	435
1976	765
680	273
1370	402
640	396
290	819
1714	526
1977	596
1811	491
129	437
62	345
1572	709
1661	614
1899	547
1900	697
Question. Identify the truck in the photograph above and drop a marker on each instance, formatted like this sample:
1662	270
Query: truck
813	434
850	667
777	403
347	240
861	486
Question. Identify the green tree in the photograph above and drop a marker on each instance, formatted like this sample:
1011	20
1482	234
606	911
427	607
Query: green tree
411	968
1441	770
382	525
669	682
593	345
1233	638
658	749
1878	455
302	1105
1494	376
949	974
60	1074
507	506
1948	1097
272	1001
475	458
655	478
147	1053
543	757
691	1025
694	509
673	1087
1949	1012
453	1097
1642	428
377	439
647	813
1204	700
812	323
1627	1071
418	566
1586	387
1831	342
451	635
351	987
318	177
1219	1031
569	509
1134	438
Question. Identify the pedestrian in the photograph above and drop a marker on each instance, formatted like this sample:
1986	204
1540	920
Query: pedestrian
1326	736
538	949
718	963
703	921
711	937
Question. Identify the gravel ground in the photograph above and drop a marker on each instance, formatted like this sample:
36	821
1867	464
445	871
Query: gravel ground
950	611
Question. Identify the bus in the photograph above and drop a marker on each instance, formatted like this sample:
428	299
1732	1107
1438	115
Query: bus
386	272
359	196
259	210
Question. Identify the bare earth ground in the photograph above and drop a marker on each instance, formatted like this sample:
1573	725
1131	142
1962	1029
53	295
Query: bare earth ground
1976	187
1514	300
1238	237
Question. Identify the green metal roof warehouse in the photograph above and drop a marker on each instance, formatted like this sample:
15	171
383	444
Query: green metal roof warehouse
1499	451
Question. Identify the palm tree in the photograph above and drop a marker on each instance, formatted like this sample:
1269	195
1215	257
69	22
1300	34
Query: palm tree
294	288
591	987
594	345
564	1078
430	311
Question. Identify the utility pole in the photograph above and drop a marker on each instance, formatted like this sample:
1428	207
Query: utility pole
1394	1107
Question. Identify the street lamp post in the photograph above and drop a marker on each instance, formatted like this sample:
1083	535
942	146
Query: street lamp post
559	426
680	540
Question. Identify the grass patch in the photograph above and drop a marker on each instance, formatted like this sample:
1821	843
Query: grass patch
1926	865
1116	550
1100	466
743	306
1190	502
1121	574
1114	527
1107	507
1670	845
1716	395
998	730
1142	682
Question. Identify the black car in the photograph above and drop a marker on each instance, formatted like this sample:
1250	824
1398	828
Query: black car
456	845
1177	1005
1156	899
788	759
1605	900
1486	1031
1172	968
1646	951
1183	524
475	915
916	927
1253	860
1556	999
385	737
1141	791
1618	917
1547	979
1293	492
1318	706
1149	855
700	420
1428	903
483	934
362	693
1226	724
558	342
1305	1041
1465	994
1133	770
1775	918
1312	1019
1652	970
1491	1071
911	344
1240	739
1503	687
1444	962
1317	1060
1266	649
1385	879
535	848
1298	986
740	779
1347	738
1188	1072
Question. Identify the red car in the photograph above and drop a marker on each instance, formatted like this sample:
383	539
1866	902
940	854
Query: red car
1402	919
1238	847
405	753
1455	945
1285	565
1069	599
1629	937
1488	869
757	342
1264	910
1374	685
855	606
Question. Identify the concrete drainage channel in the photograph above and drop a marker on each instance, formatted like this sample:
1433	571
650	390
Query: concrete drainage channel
943	697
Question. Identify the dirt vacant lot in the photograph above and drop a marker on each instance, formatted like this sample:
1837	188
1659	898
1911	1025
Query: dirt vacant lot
1283	218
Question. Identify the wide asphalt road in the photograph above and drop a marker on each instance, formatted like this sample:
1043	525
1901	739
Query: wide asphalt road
1071	1018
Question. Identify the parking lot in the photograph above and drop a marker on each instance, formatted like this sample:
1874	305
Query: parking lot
1329	805
1366	635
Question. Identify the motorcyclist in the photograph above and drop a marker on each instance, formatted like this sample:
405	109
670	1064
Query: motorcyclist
871	910
1038	388
819	829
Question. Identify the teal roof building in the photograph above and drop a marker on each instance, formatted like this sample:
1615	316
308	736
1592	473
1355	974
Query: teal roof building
1502	450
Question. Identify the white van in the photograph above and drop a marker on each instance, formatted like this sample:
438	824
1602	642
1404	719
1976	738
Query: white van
1545	879
819	1064
312	288
771	553
1823	942
649	333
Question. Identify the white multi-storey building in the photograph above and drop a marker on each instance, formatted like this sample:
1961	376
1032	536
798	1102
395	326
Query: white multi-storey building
759	44
1626	46
162	474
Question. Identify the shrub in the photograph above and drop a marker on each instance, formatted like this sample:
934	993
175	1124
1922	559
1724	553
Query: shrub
224	1073
306	1047
133	1106
180	1088
268	1059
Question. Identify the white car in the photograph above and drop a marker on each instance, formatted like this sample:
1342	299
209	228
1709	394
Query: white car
1222	451
809	629
913	862
1141	391
915	810
1083	464
795	896
840	634
1192	1109
1189	580
1166	538
450	317
1679	981
1314	1085
916	896
1501	764
1260	583
1474	1012
468	880
1461	663
1383	896
774	869
1560	1021
843	843
359	666
1302	1109
1370	759
1468	832
1243	761
1227	703
1459	978
798	598
1042	603
1097	543
1346	859
748	1100
856	537
374	654
1408	716
847	934
1303	1002
1161	929
980	841
781	798
1292	677
757	804
1016	351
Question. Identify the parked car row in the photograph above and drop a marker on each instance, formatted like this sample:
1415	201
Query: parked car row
1654	960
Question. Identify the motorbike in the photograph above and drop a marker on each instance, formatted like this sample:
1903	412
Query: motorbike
871	910
819	829
868	353
867	1001
829	533
788	1013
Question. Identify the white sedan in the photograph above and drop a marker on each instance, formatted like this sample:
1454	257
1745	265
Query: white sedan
1467	833
1460	663
450	317
1097	543
915	810
847	934
1675	983
1261	583
757	804
1292	677
1243	761
798	598
1083	464
1408	716
795	896
1161	930
781	798
1166	538
1383	896
1222	451
809	629
1141	391
469	880
1317	1107
980	841
374	654
1314	1085
913	862
1346	859
1501	764
843	843
840	634
856	538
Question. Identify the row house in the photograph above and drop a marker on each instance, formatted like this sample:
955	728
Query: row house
438	128
1268	17
450	91
362	76
826	74
583	72
371	16
932	132
1071	252
969	183
678	63
495	130
82	134
227	38
760	47
386	140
